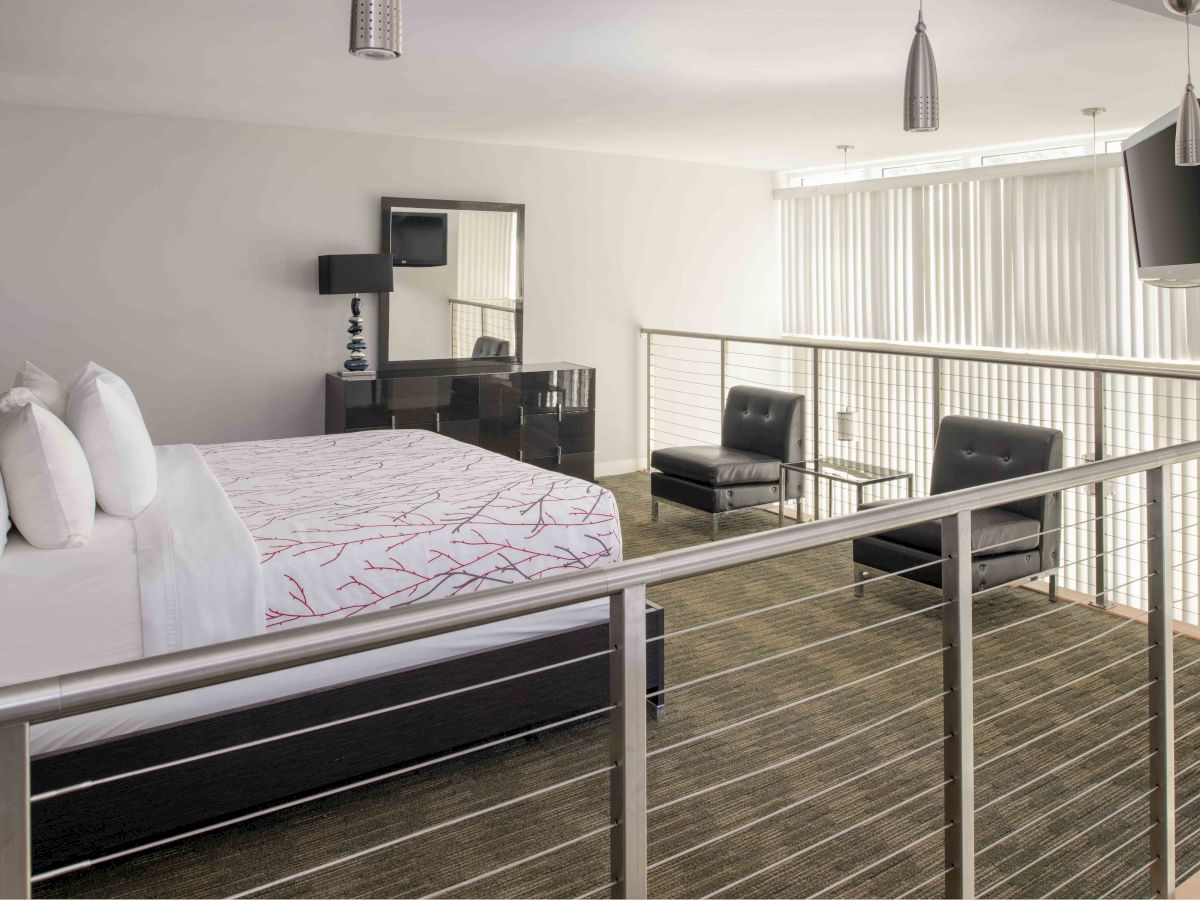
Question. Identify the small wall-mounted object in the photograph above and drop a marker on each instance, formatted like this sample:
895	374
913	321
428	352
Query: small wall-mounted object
845	425
355	273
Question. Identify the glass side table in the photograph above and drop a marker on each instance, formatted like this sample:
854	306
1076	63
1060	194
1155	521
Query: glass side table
833	470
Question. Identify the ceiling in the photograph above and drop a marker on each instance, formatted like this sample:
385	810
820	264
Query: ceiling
770	84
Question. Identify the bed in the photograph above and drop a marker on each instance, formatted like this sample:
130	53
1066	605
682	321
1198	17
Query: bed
261	536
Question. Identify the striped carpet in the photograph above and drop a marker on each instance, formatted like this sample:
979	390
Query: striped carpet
838	795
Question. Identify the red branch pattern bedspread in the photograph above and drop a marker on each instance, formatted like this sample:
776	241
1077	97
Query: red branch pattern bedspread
346	524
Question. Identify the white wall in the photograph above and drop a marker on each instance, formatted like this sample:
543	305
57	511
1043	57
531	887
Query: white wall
182	254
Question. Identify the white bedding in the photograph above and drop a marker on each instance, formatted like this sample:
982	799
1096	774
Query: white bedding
347	524
65	610
399	517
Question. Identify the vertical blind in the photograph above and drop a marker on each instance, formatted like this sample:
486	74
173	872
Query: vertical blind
487	272
1029	262
487	255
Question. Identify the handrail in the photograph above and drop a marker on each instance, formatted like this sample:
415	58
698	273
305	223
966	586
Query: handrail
51	698
480	304
1109	364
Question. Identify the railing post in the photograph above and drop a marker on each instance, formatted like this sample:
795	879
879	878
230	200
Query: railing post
935	386
724	373
14	811
1162	675
649	399
816	408
958	707
627	784
1101	537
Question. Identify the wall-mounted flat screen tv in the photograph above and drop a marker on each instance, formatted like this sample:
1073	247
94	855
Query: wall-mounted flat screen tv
1164	205
419	239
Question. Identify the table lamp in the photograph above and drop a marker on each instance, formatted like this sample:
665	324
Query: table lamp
355	273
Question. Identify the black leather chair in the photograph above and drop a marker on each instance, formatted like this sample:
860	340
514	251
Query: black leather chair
1016	539
489	347
759	429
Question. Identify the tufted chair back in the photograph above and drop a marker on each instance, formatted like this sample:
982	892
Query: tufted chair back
488	347
760	420
971	452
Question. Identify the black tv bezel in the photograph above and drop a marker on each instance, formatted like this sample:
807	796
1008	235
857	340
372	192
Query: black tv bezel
444	219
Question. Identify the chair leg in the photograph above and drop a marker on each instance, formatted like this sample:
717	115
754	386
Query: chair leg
654	510
858	579
715	525
1053	588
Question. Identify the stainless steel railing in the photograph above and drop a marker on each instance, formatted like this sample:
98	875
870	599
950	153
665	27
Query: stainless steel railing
626	770
1105	406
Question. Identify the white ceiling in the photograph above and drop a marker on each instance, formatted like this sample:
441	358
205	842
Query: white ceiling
772	84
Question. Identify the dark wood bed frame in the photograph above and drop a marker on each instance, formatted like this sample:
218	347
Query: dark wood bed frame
86	824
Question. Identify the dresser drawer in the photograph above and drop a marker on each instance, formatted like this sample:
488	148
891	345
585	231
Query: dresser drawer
501	436
539	436
466	431
578	465
577	432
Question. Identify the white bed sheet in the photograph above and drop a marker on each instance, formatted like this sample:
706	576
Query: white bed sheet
93	589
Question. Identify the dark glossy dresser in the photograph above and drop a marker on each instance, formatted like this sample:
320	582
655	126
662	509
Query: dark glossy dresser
543	414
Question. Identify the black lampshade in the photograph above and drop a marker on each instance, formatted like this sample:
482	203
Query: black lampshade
355	273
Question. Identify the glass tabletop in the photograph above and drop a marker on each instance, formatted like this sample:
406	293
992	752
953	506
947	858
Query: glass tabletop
847	470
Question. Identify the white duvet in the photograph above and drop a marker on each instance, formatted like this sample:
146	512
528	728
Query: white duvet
348	524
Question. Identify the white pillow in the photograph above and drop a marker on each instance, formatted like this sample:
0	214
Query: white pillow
46	477
5	521
104	415
45	387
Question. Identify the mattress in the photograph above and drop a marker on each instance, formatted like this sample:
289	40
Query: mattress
325	528
67	610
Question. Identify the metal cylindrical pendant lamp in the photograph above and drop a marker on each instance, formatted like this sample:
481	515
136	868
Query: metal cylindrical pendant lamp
375	29
1187	126
1187	130
921	83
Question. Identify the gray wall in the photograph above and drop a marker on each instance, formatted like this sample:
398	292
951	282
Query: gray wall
181	253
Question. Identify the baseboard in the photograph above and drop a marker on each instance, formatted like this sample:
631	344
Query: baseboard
618	467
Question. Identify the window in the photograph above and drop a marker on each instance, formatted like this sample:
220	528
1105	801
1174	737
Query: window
816	179
944	165
1024	156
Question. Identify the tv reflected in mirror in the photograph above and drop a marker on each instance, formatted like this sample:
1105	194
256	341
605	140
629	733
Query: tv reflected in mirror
419	239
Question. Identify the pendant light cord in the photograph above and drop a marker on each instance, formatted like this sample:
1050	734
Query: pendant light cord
1187	25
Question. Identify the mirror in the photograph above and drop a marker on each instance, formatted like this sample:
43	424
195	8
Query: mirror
458	282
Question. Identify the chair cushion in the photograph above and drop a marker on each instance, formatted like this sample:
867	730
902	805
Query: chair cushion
994	531
716	465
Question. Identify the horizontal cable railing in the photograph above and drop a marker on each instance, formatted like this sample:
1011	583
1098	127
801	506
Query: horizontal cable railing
879	403
888	741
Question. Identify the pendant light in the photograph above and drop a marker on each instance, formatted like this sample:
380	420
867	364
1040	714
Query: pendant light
921	83
1187	127
375	29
